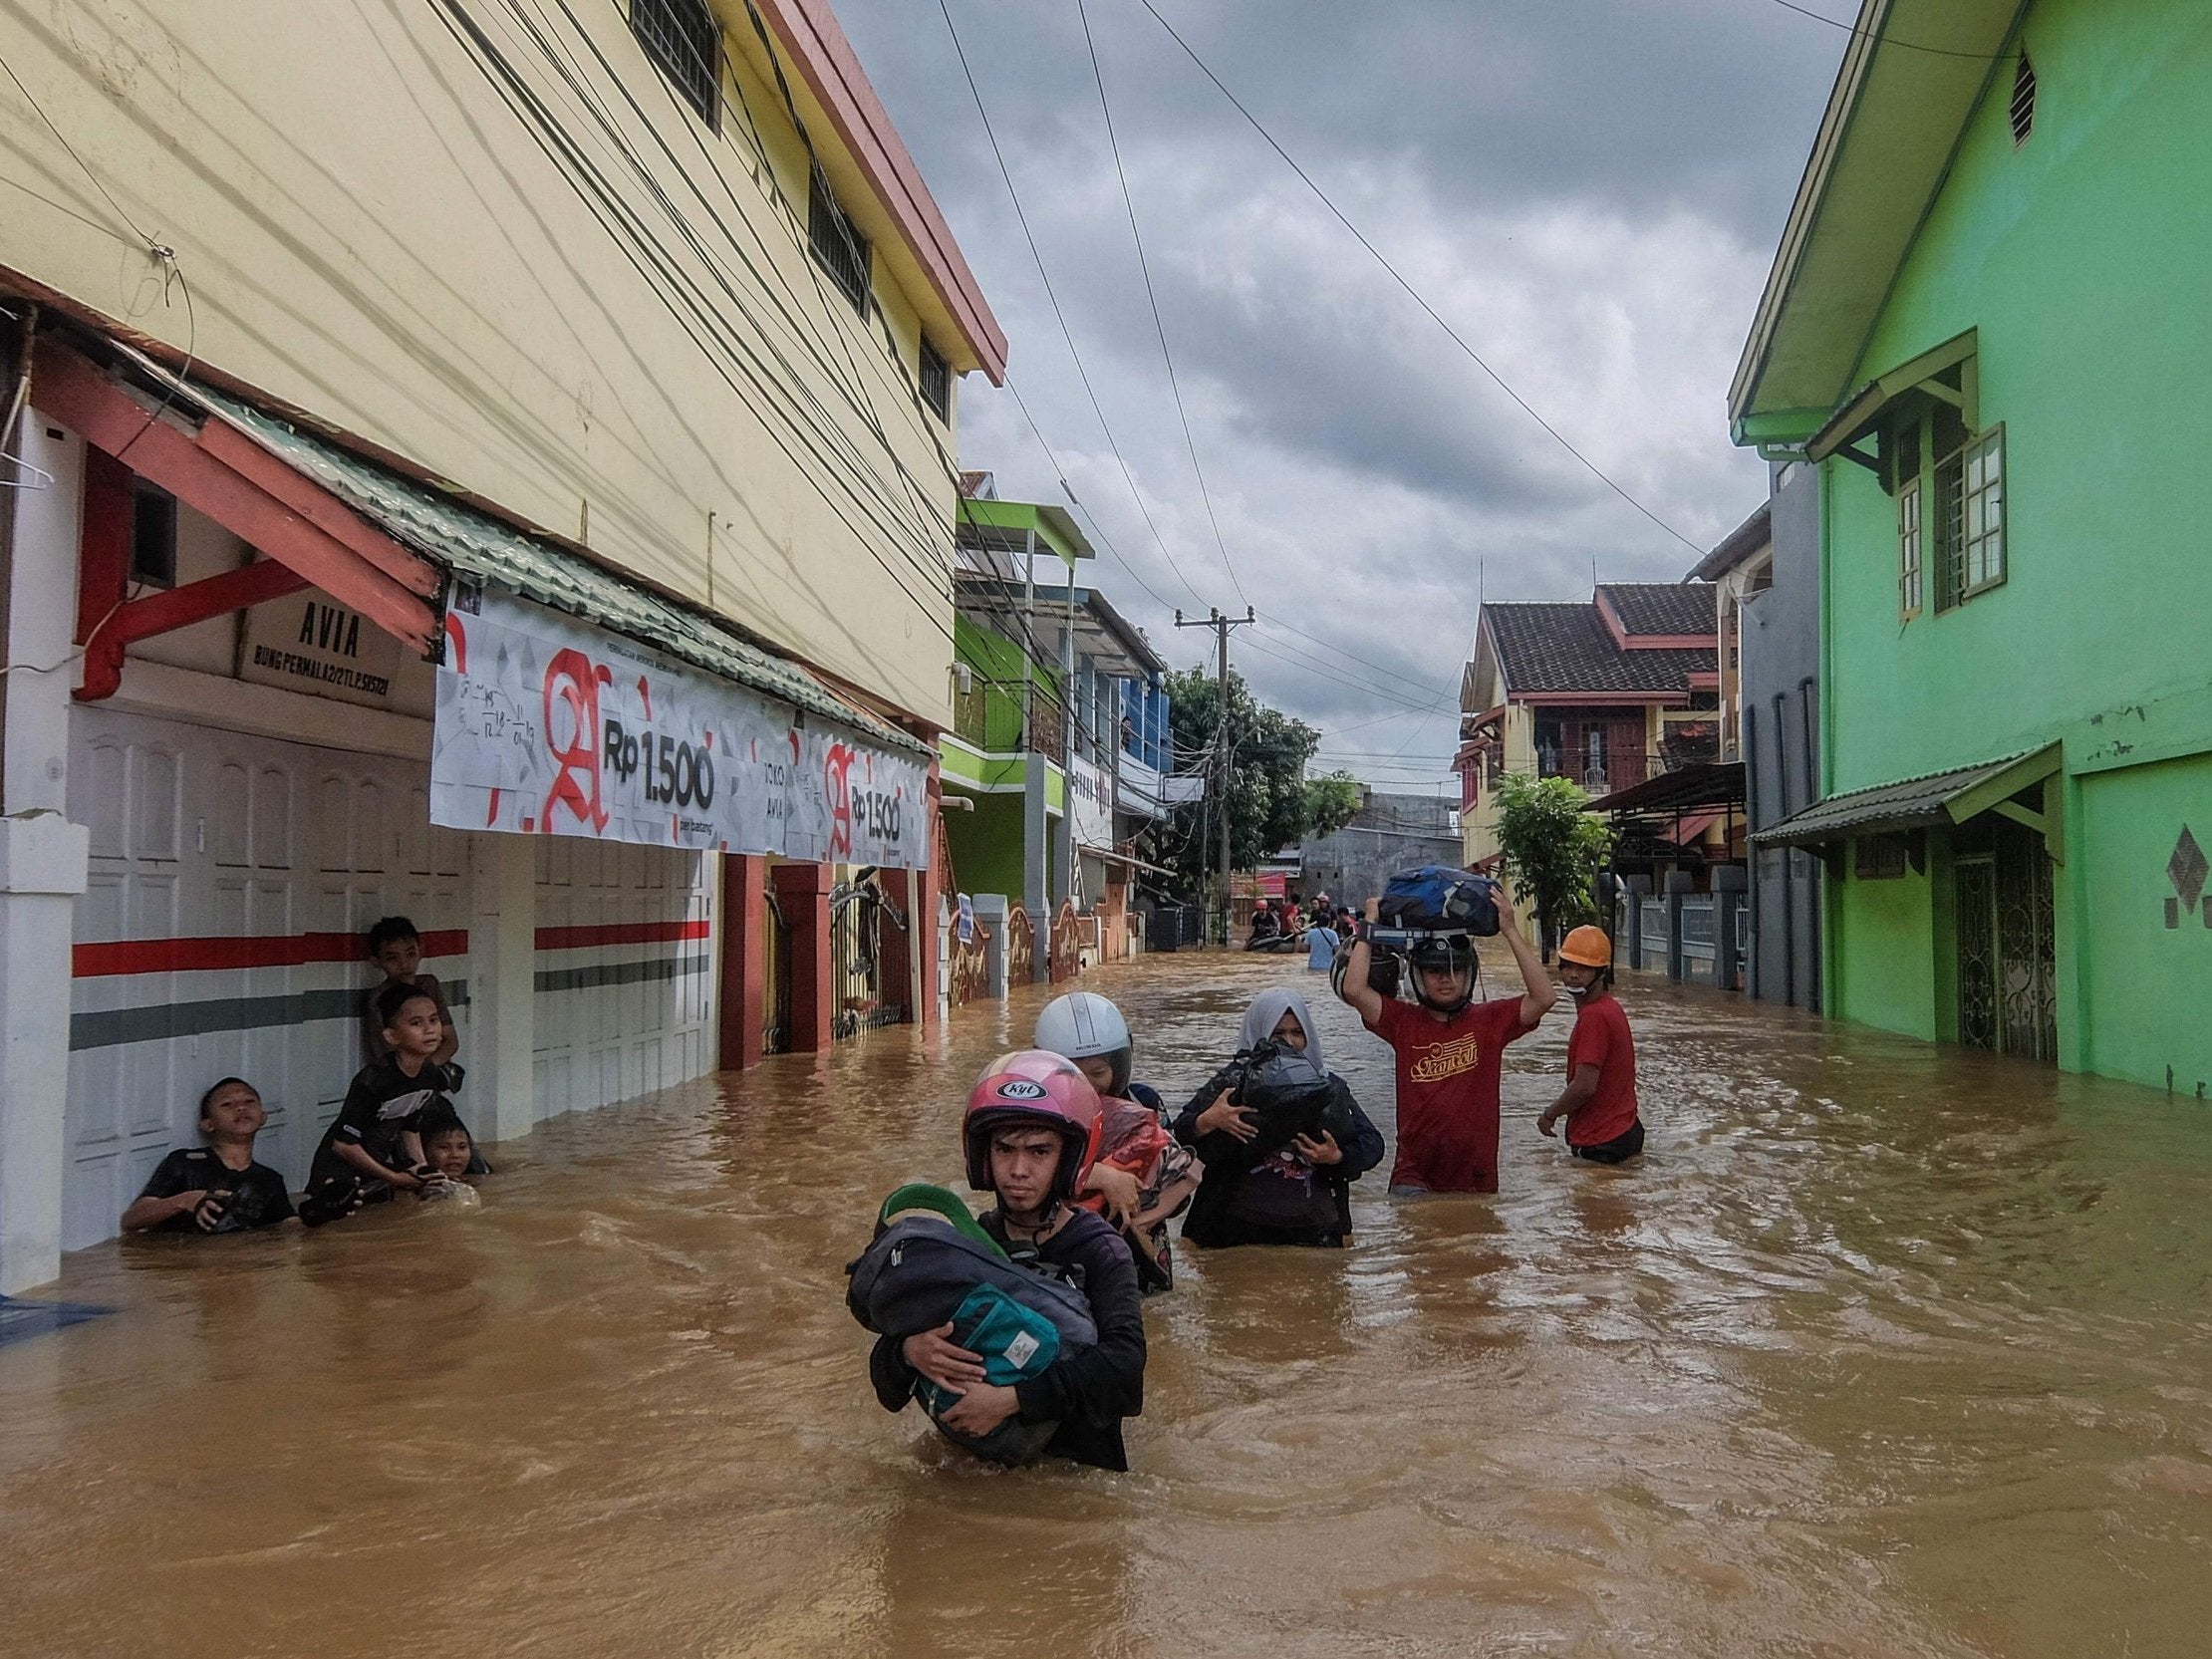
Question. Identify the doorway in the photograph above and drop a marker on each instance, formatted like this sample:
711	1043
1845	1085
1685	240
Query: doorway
2007	992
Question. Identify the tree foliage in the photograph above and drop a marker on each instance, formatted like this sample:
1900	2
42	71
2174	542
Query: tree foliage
1331	802
1270	803
1554	848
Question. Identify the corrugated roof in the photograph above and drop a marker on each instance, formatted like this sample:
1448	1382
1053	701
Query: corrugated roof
1567	648
476	545
1663	607
1921	802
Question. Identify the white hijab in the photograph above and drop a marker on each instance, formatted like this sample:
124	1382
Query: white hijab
1266	1014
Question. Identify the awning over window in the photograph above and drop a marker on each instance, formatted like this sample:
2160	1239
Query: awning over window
1934	801
1855	418
483	550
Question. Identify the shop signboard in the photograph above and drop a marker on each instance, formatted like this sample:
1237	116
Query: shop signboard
547	725
307	642
1090	804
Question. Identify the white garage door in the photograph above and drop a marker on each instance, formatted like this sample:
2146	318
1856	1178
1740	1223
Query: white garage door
232	878
624	980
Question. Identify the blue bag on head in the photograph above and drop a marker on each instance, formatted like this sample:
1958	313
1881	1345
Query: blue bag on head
1439	898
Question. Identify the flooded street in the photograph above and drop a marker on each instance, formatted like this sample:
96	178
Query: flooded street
1884	1350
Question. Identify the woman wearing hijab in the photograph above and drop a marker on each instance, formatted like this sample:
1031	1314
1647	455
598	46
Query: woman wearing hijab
1280	1136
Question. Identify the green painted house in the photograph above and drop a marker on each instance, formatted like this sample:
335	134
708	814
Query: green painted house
1987	334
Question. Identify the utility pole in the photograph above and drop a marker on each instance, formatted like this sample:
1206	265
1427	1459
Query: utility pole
1223	767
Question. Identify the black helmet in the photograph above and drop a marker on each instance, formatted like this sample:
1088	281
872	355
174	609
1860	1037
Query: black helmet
1443	954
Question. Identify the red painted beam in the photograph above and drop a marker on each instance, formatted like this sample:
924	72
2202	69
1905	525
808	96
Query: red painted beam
105	542
164	613
252	494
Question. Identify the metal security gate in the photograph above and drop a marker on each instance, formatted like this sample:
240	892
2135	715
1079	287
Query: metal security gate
2007	992
859	910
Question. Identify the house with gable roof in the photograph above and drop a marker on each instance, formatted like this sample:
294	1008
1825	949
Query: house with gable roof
1607	692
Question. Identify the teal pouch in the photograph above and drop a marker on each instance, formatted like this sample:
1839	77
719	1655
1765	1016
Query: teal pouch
1014	1344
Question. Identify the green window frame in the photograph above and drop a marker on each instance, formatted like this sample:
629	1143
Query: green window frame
1951	514
1910	543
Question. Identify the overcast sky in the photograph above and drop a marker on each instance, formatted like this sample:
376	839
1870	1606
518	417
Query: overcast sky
1589	192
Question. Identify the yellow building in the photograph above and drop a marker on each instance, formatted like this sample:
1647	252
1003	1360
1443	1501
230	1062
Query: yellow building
1607	694
485	463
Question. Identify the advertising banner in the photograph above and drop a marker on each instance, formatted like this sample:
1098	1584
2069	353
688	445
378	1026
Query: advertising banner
547	725
1090	804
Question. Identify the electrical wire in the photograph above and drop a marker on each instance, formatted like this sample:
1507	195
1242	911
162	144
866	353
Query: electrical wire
1059	315
1888	40
734	359
1414	293
1152	299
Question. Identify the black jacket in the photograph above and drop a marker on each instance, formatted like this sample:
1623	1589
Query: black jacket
1229	1162
1088	1391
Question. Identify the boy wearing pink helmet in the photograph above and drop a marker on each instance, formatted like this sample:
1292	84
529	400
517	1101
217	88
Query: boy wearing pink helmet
1027	1136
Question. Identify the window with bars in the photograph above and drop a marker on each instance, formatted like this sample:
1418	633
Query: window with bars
686	45
836	242
935	375
1908	550
1949	485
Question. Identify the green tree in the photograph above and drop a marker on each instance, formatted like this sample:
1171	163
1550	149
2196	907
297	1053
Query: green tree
1331	802
1554	848
1270	803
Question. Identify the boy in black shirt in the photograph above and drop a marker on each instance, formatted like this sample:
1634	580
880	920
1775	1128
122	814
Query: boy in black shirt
216	1188
373	1149
397	948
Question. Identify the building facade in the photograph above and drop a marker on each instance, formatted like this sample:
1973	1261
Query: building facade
1389	833
532	515
2014	711
1059	730
1607	694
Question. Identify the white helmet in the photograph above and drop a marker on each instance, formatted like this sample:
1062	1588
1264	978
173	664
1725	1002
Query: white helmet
1084	1026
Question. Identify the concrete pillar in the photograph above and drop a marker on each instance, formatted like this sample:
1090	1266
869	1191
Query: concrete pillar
501	1098
1041	956
43	856
1731	883
1678	887
990	917
1036	831
744	922
803	893
1637	888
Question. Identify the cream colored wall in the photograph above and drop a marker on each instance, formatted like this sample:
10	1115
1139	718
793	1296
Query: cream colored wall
1479	828
368	232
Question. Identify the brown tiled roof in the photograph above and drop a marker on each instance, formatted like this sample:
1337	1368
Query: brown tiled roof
1663	607
1567	648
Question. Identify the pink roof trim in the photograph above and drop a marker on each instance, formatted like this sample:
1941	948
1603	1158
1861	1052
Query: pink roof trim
825	59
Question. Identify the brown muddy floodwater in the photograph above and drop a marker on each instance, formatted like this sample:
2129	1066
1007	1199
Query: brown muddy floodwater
1885	1350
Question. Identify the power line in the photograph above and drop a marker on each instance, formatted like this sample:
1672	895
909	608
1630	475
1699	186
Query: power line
1888	40
1435	316
1028	236
1159	327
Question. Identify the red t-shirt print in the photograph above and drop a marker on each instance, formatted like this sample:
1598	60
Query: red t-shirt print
1447	1092
1601	1038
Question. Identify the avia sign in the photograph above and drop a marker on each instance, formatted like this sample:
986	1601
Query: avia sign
549	726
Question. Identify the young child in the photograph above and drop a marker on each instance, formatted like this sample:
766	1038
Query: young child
1139	1178
373	1149
216	1188
397	948
1450	1050
448	1152
1599	1100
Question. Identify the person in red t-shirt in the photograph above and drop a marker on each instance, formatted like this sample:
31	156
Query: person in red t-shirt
1449	1050
1599	1101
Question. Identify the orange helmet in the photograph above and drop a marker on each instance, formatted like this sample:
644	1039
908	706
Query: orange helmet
1587	947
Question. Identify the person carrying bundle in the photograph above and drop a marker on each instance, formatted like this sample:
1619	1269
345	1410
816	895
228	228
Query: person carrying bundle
1280	1136
1449	1048
1036	1341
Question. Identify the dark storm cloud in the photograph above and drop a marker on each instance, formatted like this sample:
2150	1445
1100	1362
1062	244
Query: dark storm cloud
1588	190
